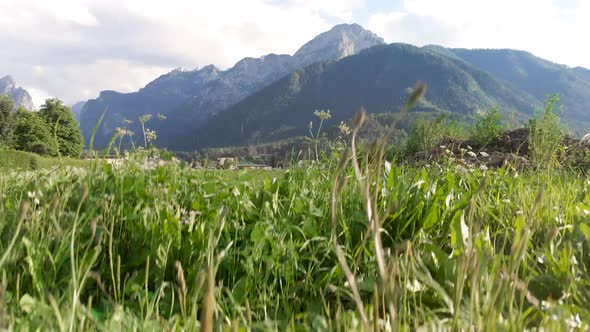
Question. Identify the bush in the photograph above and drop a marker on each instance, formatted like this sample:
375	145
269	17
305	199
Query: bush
487	127
17	160
546	135
426	133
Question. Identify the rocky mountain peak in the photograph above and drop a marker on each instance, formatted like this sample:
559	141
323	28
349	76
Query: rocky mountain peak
19	95
339	42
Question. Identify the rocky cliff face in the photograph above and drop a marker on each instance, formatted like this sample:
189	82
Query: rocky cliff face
190	98
341	41
19	95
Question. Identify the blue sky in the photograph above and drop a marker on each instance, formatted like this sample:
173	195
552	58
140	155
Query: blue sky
73	49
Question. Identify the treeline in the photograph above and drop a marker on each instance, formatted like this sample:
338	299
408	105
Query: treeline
52	131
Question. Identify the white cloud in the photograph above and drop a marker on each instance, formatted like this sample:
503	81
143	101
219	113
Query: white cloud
39	96
542	27
75	48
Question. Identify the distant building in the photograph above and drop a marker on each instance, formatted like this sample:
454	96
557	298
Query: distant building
228	161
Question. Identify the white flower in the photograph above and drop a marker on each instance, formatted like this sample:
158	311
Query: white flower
447	151
574	260
418	184
443	146
387	167
574	321
484	154
414	286
559	220
483	167
472	154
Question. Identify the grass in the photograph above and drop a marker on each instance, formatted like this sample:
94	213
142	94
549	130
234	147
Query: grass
172	248
27	161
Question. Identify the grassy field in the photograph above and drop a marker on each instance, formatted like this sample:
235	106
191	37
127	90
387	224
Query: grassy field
26	161
108	249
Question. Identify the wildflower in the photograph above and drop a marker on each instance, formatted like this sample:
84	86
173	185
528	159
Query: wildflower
387	167
559	219
574	321
483	167
484	154
344	129
469	147
418	184
443	146
323	114
472	154
414	286
447	151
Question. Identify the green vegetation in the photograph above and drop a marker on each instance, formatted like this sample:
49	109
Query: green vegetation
11	160
131	249
378	79
546	135
348	243
487	127
63	128
425	133
32	134
6	106
52	131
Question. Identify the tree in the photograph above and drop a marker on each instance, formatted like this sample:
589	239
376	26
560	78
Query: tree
32	134
63	127
6	107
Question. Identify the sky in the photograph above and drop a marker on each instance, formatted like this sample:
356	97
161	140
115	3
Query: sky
73	49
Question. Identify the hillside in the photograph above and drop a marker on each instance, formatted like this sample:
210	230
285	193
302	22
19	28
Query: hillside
539	78
377	78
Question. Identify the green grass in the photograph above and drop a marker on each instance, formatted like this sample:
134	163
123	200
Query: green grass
26	161
131	249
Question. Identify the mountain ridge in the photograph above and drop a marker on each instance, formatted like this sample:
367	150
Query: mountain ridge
19	96
377	78
188	102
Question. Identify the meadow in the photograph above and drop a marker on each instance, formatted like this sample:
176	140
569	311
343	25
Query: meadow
355	240
100	248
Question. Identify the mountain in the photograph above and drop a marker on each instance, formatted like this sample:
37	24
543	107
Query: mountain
377	78
189	98
162	95
19	95
539	78
77	110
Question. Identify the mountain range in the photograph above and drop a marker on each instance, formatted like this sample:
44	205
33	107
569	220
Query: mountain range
190	98
273	97
19	96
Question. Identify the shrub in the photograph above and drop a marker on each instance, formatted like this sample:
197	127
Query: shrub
487	127
426	133
546	135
